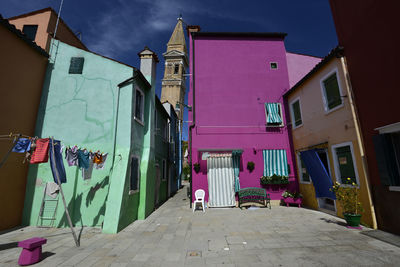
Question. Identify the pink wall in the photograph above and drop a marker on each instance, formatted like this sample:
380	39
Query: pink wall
233	80
299	65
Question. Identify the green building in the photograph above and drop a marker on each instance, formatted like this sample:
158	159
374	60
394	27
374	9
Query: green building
97	104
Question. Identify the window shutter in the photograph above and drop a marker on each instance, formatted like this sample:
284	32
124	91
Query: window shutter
134	173
297	113
76	65
332	92
385	156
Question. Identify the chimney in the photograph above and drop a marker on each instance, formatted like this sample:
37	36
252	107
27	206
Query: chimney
192	28
148	63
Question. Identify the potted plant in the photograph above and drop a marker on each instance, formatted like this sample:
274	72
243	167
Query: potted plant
347	195
196	167
250	166
274	179
292	198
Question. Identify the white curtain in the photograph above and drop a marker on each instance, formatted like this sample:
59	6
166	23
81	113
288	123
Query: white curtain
221	183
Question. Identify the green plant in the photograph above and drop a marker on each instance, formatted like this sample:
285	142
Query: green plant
196	167
186	172
348	195
274	179
288	193
250	166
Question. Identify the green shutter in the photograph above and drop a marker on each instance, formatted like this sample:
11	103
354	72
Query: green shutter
76	65
275	162
346	166
332	91
273	113
297	113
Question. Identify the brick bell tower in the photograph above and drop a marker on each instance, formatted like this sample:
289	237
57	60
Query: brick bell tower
173	84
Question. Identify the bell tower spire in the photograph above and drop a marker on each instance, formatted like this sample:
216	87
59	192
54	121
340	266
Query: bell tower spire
173	84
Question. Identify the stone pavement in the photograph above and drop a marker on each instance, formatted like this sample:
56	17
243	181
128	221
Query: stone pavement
174	236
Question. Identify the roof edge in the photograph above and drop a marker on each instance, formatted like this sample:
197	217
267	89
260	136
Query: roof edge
240	34
336	52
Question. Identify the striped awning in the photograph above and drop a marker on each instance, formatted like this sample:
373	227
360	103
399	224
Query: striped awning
272	113
275	162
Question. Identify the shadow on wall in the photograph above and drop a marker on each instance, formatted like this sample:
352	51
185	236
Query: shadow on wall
75	204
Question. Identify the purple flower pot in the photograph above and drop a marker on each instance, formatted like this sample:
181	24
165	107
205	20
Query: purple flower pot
290	200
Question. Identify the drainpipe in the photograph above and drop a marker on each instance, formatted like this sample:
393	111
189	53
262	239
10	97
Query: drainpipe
359	138
193	124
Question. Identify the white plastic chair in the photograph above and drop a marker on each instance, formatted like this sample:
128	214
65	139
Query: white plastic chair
199	194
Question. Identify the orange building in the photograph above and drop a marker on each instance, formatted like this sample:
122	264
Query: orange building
40	26
23	68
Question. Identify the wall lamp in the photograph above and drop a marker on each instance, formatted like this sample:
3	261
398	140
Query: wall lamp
178	106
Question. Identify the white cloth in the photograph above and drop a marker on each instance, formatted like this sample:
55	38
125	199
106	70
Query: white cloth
52	189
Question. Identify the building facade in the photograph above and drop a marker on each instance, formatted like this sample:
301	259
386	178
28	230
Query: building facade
324	126
238	115
375	86
22	75
99	105
40	27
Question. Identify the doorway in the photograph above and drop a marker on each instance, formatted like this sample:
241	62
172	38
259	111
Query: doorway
221	179
324	203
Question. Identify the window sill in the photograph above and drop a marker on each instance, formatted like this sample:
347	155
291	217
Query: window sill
304	182
139	121
275	125
394	188
296	127
333	109
132	192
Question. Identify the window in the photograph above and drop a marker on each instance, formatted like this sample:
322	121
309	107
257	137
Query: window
387	154
303	173
164	170
331	92
296	113
273	113
343	157
275	162
135	175
30	31
273	65
176	69
76	65
139	106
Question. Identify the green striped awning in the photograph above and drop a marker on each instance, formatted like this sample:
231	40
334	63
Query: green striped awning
272	113
275	162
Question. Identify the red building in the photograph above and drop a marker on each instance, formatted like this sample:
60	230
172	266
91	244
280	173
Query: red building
367	30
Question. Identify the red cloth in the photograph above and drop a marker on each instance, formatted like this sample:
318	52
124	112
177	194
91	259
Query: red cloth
41	153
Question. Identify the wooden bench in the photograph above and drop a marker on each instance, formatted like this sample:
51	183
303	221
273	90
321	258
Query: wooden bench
254	196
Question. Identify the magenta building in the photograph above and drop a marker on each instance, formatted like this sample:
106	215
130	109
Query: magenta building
236	85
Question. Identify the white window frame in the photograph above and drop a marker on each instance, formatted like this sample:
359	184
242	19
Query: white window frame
336	164
139	120
164	170
131	192
280	112
300	171
292	112
324	98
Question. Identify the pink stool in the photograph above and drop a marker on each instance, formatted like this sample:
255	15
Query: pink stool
31	250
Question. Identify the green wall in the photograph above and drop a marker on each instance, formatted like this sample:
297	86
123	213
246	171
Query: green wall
81	109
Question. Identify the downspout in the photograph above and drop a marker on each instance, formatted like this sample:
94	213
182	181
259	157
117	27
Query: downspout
193	124
359	138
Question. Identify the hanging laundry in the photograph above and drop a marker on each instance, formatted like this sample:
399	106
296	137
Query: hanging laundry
56	161
23	145
83	159
52	189
87	173
98	158
100	164
41	153
71	155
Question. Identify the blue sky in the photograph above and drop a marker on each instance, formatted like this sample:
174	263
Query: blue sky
121	28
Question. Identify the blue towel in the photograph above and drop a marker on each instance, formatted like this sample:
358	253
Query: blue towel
58	160
23	145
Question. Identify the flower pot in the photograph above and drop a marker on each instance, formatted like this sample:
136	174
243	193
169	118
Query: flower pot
290	200
352	220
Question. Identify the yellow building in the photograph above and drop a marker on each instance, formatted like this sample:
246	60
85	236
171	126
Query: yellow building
323	119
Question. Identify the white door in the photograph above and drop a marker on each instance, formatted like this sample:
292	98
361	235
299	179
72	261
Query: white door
220	175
